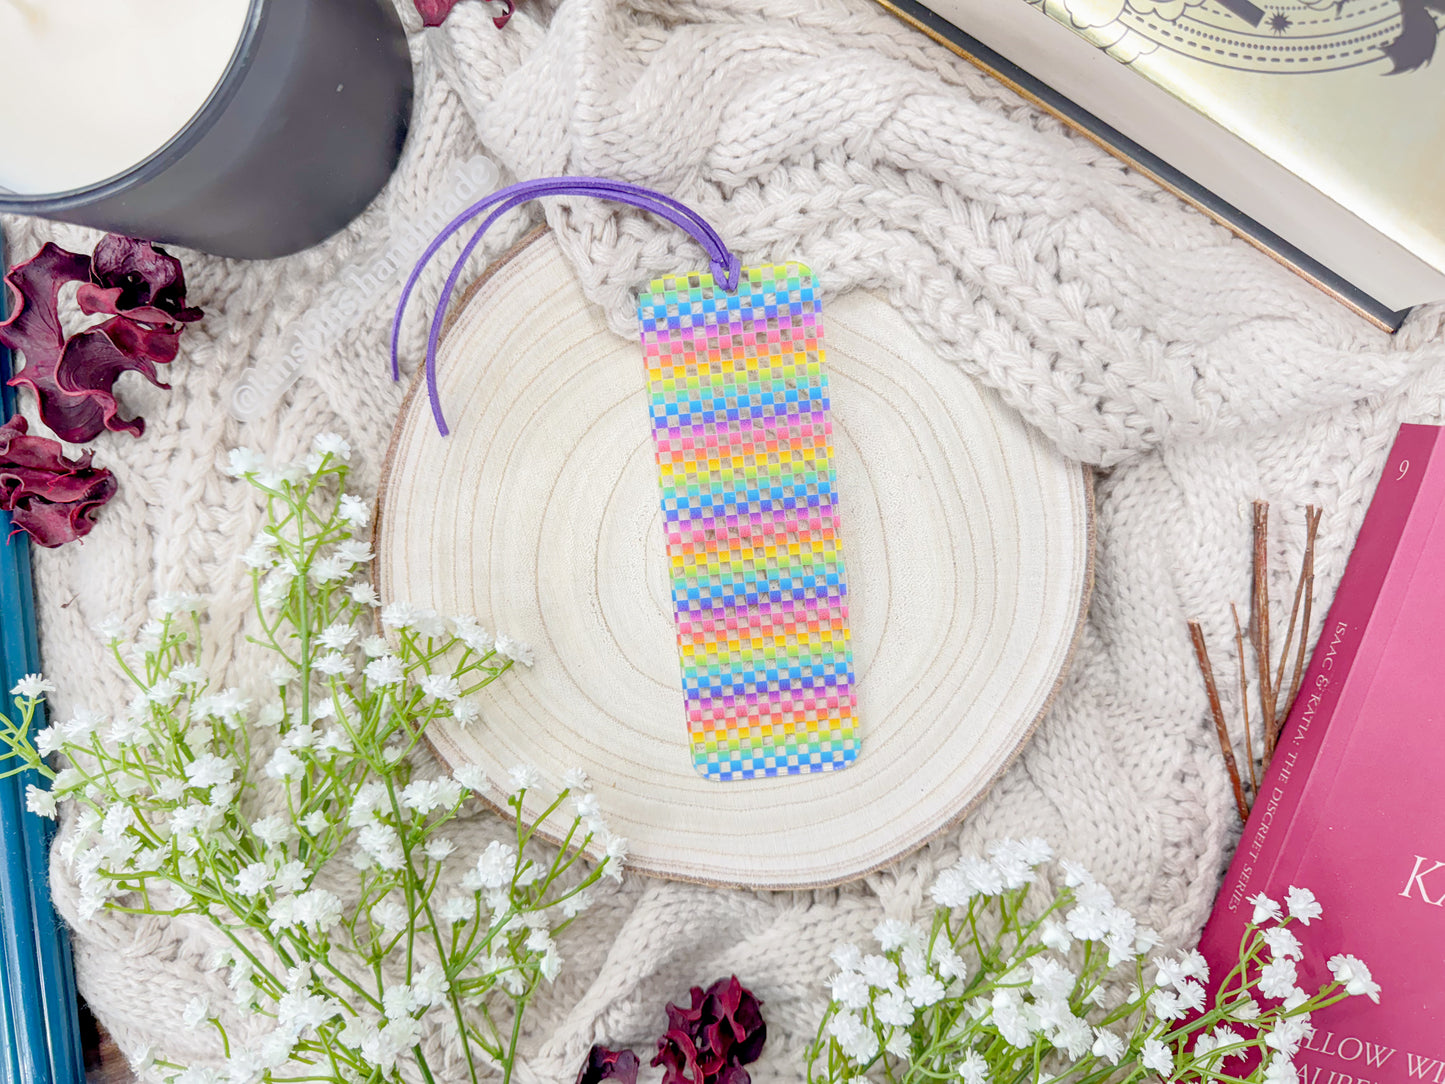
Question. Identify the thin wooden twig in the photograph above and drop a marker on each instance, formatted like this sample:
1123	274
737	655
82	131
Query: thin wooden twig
1307	580
1259	626
1221	728
1244	701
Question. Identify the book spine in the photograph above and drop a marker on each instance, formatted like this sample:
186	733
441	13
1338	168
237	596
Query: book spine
1304	732
40	1012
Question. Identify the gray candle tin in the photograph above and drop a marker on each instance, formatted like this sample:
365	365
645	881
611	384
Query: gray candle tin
302	130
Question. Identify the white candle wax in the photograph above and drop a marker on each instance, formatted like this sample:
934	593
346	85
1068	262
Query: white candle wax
89	88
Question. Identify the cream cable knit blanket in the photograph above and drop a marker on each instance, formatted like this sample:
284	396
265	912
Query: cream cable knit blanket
1192	371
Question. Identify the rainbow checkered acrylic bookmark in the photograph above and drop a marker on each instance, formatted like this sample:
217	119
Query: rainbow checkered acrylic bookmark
739	401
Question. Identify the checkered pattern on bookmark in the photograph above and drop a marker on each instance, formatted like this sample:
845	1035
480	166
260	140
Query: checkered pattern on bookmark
739	401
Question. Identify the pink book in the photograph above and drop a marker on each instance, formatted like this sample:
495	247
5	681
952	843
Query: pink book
1353	804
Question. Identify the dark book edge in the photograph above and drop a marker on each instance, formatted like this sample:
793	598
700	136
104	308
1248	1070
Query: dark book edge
41	1009
1143	161
1308	724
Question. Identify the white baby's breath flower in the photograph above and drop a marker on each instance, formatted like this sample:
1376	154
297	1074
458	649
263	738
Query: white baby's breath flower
456	909
1108	1046
848	957
1265	909
273	830
189	674
1282	943
243	461
923	990
1191	995
383	671
465	713
949	964
856	1039
1288	1034
354	552
441	687
40	802
1302	904
980	876
513	649
849	989
258	557
1280	1071
1055	936
337	635
398	615
353	510
470	776
284	764
972	1069
1088	923
1277	978
315	822
524	777
616	852
1010	858
423	795
1352	973
208	769
176	602
318	910
382	843
110	628
428	624
1157	1057
587	807
252	880
363	594
331	444
893	1009
880	972
329	569
170	790
274	590
898	1043
892	934
374	646
1166	1005
32	687
335	664
951	889
335	740
439	848
497	864
390	916
1051	979
196	1012
48	741
283	674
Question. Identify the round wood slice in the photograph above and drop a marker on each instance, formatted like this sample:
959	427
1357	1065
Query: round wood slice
967	542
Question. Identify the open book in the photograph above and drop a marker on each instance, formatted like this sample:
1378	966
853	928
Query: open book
1314	128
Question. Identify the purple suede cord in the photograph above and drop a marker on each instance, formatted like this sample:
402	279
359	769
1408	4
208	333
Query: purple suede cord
724	265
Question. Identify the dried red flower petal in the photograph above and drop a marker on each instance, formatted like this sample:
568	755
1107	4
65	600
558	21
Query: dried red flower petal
138	280
51	498
142	286
677	1054
434	12
603	1064
720	1031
